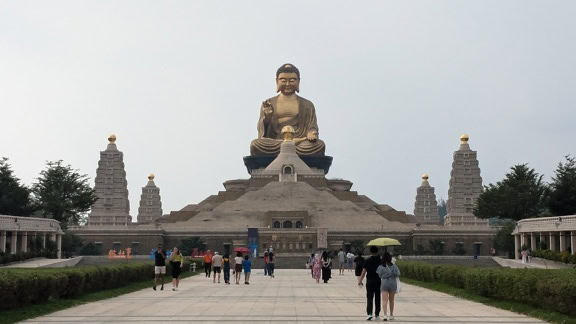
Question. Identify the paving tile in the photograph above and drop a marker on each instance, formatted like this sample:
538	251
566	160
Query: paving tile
291	297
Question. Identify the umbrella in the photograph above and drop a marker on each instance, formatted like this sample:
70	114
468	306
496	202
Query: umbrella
242	250
384	241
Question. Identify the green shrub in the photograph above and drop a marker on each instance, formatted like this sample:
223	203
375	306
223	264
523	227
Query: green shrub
549	289
565	257
22	287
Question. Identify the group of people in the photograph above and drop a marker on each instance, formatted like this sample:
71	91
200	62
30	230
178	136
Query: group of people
176	260
222	264
320	266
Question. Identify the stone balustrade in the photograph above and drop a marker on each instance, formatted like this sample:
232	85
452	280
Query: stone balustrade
16	232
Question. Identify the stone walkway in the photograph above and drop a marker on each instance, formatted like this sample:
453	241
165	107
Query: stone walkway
291	297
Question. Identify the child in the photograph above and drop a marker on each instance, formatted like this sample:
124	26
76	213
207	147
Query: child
247	269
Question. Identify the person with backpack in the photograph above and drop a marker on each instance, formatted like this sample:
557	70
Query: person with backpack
271	263
266	263
226	268
247	269
388	273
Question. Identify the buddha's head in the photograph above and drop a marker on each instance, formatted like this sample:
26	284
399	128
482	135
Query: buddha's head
287	79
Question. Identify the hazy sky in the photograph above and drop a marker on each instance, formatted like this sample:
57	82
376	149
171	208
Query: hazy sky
180	83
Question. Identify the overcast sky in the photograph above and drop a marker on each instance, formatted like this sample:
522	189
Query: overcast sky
180	83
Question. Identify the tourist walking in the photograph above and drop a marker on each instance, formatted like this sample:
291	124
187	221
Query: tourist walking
358	264
350	261
266	263
326	267
524	254
217	266
176	262
317	268
372	283
238	267
226	268
271	263
159	266
310	263
247	269
341	262
208	263
388	273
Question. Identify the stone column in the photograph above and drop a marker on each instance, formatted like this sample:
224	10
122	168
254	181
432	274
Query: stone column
516	246
573	242
552	246
562	242
542	239
3	241
43	240
14	242
533	241
522	240
24	242
59	245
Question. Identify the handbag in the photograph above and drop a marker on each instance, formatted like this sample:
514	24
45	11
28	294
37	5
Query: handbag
307	265
398	285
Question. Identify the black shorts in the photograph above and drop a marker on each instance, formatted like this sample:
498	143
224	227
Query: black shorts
217	269
238	268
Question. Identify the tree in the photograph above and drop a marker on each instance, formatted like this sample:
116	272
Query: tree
15	198
459	248
188	245
90	249
442	210
521	194
63	194
71	243
562	197
436	246
504	241
357	246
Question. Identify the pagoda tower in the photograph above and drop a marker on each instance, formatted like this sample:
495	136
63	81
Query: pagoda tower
150	203
112	207
426	206
465	187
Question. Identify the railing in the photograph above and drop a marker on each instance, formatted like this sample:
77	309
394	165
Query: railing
29	224
546	224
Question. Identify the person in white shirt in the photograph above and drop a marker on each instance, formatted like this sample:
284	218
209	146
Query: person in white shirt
216	266
238	266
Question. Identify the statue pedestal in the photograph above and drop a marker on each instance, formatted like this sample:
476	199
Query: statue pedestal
261	162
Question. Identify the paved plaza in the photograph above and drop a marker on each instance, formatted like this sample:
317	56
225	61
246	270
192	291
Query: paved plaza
292	297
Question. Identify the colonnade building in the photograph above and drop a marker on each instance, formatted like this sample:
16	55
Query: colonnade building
546	233
16	233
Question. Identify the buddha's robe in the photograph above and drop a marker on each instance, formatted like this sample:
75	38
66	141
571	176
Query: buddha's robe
270	136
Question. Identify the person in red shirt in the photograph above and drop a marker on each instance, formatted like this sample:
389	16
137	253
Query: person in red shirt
208	263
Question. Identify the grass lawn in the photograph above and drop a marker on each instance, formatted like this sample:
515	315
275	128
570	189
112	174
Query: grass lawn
516	307
28	312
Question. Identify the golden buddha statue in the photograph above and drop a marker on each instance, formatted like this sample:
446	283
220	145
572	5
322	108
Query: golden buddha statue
287	109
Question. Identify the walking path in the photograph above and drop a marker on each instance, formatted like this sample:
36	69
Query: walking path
292	297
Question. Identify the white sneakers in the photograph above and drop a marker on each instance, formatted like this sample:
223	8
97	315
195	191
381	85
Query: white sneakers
388	318
369	317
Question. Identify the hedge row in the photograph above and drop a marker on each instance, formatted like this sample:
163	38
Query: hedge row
565	257
548	289
9	258
20	287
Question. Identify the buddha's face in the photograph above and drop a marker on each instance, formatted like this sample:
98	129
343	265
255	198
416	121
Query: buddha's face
288	83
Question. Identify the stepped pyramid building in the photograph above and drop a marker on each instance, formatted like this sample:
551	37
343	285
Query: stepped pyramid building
150	204
465	187
426	206
112	207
